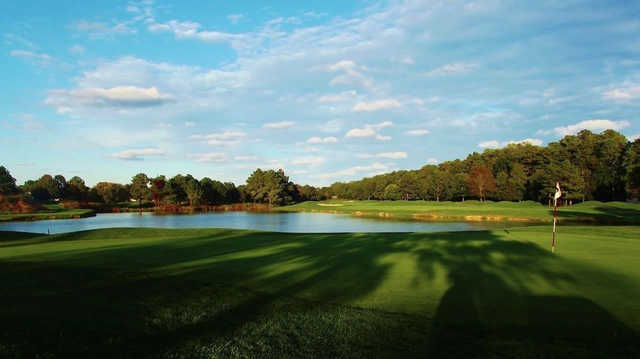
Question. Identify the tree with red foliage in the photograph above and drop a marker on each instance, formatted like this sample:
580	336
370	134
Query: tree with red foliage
481	182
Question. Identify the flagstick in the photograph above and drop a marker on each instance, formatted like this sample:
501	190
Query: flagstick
557	195
555	219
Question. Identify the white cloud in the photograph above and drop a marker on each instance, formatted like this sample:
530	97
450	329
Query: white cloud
320	140
370	131
101	29
227	138
189	124
245	158
452	69
489	144
361	132
210	157
33	57
375	167
191	88
278	125
76	50
626	92
235	18
312	161
364	155
340	97
331	126
407	60
497	144
418	132
351	75
632	138
392	155
377	105
597	125
189	29
119	96
432	161
138	154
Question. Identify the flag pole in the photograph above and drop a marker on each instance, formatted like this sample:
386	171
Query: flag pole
557	195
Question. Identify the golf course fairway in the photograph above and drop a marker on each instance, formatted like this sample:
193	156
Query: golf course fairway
231	293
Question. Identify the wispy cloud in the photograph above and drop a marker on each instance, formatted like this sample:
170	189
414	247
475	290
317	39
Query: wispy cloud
235	18
497	144
279	125
322	140
33	57
373	168
97	30
227	138
211	157
597	125
392	155
340	97
624	93
138	154
312	161
452	69
418	132
377	105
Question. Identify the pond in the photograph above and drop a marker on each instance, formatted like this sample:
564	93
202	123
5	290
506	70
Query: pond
276	222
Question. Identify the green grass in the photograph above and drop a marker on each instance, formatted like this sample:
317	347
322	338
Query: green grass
588	212
49	211
230	293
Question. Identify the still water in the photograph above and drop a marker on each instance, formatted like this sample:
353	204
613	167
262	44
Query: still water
276	222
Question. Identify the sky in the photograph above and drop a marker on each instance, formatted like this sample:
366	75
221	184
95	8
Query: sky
327	90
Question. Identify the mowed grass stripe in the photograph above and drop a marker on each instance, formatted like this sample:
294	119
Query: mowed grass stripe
497	287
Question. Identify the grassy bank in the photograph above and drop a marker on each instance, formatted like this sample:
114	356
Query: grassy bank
49	211
228	293
587	212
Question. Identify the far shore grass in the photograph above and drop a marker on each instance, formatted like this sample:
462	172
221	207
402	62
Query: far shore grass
185	293
533	212
49	211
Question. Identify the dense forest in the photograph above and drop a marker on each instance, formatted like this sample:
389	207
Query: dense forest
604	167
589	166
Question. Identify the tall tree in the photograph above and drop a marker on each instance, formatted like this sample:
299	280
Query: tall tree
61	186
194	191
139	189
111	193
393	192
77	189
632	167
7	182
158	189
481	182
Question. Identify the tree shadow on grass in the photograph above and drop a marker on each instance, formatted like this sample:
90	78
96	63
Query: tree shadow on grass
610	215
235	293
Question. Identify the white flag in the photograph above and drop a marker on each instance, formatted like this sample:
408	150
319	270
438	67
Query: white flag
558	192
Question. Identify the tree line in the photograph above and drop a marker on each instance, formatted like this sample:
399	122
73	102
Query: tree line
270	187
589	166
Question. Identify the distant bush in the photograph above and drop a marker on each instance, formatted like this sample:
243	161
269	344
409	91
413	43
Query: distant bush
23	203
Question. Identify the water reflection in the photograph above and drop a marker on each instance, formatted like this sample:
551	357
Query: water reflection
276	222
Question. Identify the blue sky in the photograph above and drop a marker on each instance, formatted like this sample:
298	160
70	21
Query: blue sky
327	90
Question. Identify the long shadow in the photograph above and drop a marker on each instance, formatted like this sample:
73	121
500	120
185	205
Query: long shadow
611	215
488	309
150	299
